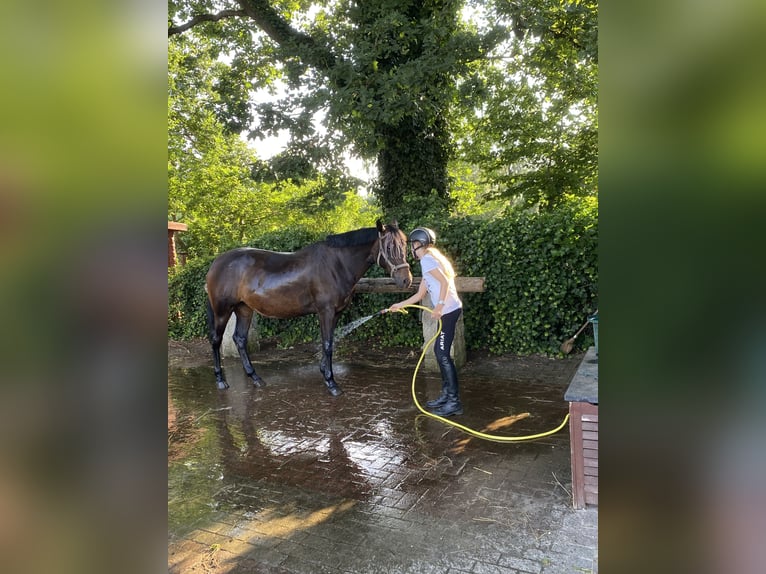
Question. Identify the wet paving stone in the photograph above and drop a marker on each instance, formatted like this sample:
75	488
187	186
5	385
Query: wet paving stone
287	479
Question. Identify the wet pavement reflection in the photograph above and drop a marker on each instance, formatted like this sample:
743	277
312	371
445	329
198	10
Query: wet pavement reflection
287	478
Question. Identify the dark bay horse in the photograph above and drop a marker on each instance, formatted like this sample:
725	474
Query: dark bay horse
318	278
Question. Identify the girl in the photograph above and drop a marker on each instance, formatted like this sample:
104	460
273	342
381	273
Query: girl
439	281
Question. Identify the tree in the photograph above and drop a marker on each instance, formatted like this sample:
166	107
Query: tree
382	74
415	84
535	132
210	170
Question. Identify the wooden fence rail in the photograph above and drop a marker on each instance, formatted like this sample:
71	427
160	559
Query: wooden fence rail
388	285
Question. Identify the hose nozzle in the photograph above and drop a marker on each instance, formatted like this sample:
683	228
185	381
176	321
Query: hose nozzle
388	310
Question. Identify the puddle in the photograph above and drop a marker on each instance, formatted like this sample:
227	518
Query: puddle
248	449
287	477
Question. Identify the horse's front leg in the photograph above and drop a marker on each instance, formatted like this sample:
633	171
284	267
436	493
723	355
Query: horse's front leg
327	324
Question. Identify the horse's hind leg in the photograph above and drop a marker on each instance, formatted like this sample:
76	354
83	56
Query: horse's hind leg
327	322
216	324
244	318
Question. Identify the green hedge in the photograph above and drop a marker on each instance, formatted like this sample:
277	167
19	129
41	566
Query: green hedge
541	276
541	283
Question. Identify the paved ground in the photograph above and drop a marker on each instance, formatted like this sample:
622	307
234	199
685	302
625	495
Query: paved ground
287	479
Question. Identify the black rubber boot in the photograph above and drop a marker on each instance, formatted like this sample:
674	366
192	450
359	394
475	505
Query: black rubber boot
451	405
437	402
440	400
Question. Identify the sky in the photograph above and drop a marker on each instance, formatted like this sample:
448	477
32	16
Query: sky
270	146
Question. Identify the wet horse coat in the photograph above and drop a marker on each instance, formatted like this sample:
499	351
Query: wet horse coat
319	279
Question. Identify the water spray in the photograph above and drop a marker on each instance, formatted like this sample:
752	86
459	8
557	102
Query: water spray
346	329
355	324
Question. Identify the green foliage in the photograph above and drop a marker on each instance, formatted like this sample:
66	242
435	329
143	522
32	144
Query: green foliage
212	183
541	273
528	118
509	88
186	300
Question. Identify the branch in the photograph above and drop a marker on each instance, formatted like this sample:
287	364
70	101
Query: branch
205	18
279	30
275	26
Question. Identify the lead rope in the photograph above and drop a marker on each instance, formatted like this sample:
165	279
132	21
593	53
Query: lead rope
465	429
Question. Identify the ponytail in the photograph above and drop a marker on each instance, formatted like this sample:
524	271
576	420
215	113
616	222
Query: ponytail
449	272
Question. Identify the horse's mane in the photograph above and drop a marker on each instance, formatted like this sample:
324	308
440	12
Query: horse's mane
364	236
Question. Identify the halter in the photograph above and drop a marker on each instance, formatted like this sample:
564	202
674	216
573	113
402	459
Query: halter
382	253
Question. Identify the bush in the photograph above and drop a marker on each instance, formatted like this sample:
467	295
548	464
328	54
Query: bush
186	300
541	275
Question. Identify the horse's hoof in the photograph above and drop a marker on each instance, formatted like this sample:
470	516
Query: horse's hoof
222	385
259	382
335	391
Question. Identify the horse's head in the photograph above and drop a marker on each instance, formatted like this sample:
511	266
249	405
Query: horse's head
392	253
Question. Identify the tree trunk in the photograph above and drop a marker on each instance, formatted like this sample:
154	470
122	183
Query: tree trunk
413	164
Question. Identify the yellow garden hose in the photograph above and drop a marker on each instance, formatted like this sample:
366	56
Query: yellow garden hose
463	428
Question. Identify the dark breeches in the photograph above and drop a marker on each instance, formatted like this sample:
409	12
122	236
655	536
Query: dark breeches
443	342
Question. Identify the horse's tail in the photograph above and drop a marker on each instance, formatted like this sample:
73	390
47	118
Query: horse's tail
209	315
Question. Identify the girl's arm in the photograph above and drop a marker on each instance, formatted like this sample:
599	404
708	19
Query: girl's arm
413	299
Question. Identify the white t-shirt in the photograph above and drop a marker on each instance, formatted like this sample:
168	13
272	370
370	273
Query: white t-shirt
451	300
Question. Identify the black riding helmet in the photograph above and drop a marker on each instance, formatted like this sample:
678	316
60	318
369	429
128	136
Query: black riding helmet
423	235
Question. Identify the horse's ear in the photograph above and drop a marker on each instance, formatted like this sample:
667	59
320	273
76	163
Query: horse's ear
394	223
380	226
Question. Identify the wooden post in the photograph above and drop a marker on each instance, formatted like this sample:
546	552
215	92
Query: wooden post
429	330
228	348
173	228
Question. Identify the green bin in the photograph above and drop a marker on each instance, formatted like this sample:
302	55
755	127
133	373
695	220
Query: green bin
593	320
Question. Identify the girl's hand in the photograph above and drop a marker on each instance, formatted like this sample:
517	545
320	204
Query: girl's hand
436	312
396	307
